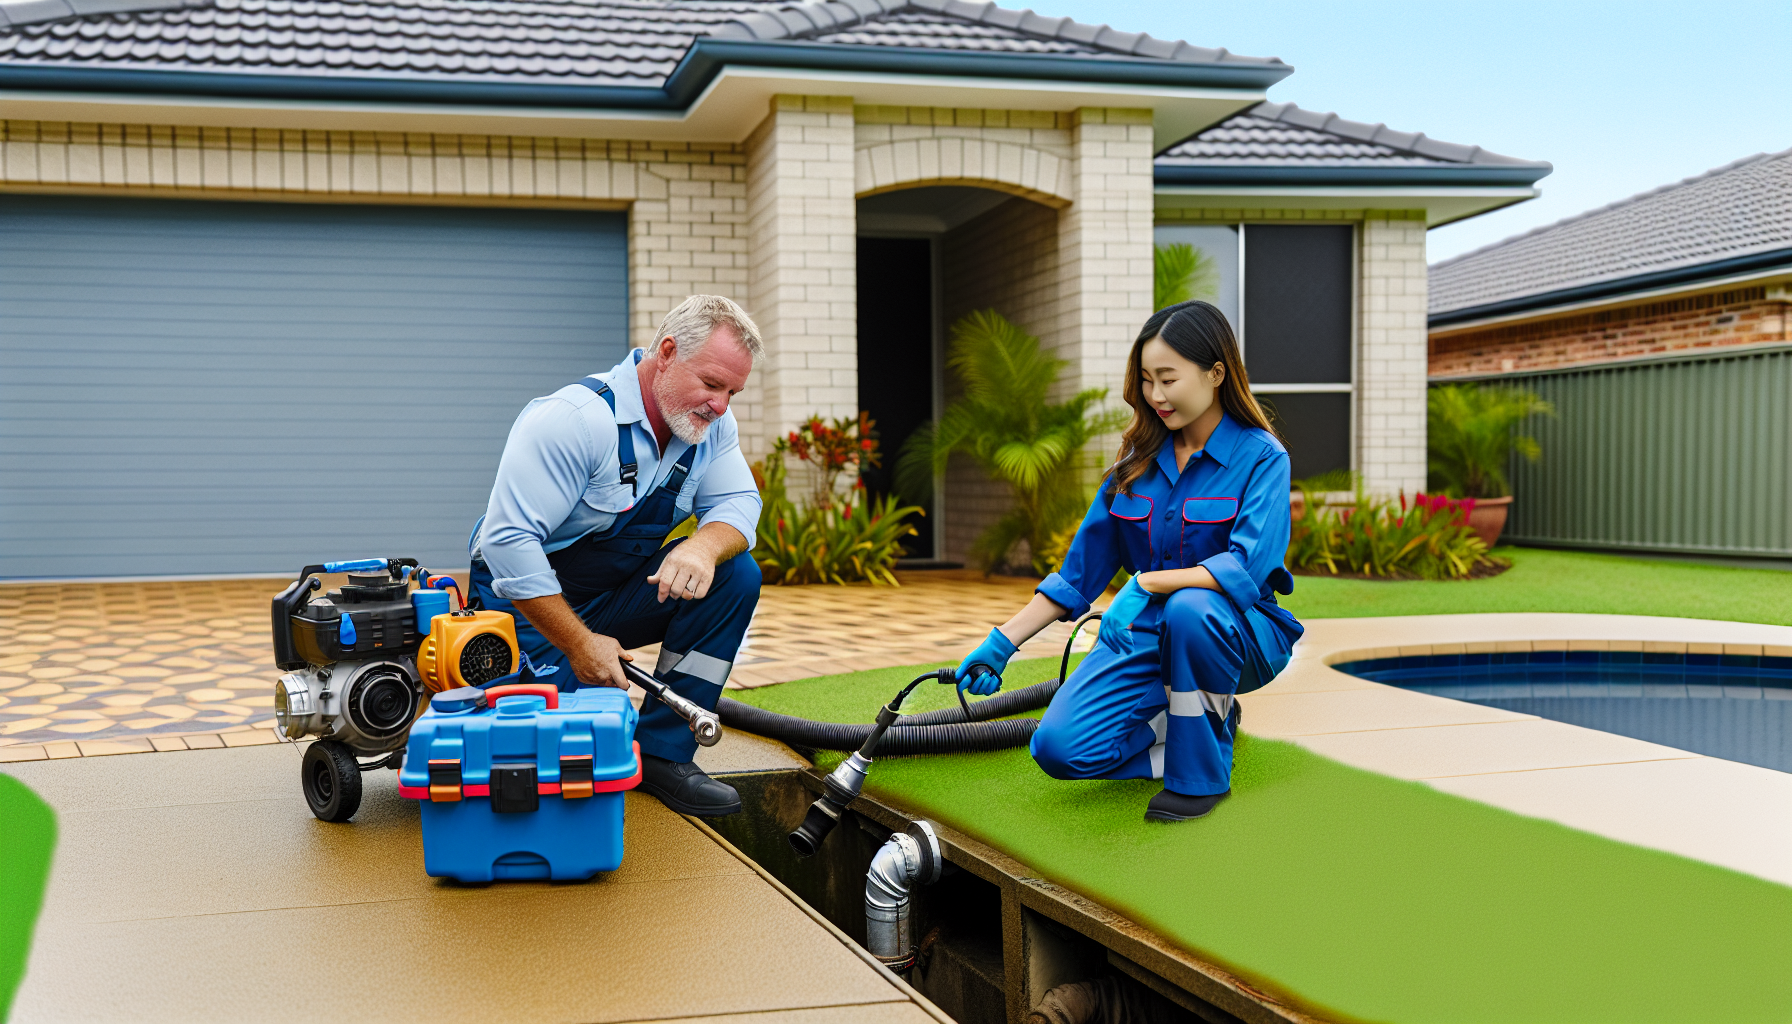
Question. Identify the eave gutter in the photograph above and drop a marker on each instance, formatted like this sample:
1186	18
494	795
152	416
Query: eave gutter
1619	286
1464	175
700	66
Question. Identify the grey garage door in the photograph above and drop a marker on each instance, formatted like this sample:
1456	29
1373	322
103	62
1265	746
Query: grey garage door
219	387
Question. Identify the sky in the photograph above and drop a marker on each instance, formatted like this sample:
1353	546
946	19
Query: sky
1620	97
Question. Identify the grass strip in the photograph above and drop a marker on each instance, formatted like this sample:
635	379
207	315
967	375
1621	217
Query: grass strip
1541	580
27	838
1359	896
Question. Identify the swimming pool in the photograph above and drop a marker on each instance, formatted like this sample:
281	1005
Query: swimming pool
1737	707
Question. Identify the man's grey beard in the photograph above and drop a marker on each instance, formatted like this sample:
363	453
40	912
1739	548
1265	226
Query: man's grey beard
679	420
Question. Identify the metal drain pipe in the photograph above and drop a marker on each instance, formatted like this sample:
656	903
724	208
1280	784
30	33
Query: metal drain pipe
906	860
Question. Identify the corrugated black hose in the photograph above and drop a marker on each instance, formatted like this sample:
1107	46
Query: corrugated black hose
932	732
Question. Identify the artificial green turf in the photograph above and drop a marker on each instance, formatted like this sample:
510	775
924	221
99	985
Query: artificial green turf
1562	581
1361	896
27	837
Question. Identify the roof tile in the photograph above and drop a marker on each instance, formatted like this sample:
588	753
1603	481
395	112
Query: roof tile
1284	135
1739	209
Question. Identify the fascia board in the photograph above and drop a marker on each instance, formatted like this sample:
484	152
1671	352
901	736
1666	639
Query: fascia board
727	110
1779	275
1297	175
1442	205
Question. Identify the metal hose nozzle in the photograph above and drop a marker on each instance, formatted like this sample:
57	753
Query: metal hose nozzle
704	724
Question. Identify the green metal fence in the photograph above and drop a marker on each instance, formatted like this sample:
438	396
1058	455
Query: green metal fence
1690	454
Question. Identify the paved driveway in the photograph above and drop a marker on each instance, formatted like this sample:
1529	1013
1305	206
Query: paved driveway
112	668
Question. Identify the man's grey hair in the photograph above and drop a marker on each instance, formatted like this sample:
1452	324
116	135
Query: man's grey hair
692	322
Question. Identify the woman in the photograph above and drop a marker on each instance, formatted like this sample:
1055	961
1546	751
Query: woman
1197	507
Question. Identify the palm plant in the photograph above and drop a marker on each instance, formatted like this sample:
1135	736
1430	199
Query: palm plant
1472	432
1006	424
1181	272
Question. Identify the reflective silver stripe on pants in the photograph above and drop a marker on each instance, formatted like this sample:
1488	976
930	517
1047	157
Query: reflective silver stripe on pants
1157	760
1160	726
695	664
1194	703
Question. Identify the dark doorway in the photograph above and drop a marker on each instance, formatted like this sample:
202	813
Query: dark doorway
896	355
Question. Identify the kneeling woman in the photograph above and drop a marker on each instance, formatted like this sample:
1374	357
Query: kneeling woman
1197	507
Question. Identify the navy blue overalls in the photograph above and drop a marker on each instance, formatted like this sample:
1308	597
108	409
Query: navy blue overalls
603	576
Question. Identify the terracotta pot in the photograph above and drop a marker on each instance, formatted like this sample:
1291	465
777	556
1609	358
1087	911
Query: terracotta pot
1489	518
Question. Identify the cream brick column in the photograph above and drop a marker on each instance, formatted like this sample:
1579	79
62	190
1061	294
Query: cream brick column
802	263
1390	408
1104	247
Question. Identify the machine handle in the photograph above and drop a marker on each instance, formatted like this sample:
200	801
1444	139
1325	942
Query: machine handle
547	690
357	565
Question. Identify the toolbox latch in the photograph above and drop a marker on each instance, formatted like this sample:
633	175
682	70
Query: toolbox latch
513	788
444	780
575	776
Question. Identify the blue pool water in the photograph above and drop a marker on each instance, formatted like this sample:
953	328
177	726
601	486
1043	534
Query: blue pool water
1736	707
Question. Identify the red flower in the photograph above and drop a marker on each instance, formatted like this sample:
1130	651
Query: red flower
867	444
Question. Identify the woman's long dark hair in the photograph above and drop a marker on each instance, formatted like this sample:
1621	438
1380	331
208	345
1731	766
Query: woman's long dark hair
1199	333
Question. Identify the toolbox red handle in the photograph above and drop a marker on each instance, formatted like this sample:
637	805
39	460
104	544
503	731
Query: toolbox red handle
548	690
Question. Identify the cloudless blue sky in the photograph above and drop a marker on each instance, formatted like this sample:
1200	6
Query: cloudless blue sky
1621	97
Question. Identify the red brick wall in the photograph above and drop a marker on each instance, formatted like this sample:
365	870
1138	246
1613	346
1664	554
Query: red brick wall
1741	317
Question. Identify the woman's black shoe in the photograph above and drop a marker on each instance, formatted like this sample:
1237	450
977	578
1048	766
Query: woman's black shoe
1168	806
683	786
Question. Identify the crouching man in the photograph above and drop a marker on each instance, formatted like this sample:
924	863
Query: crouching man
593	478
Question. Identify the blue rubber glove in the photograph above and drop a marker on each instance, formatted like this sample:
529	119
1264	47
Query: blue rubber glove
993	653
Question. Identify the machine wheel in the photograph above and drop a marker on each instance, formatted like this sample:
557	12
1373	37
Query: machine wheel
332	780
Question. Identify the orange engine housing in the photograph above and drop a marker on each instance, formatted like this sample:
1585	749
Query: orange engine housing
467	650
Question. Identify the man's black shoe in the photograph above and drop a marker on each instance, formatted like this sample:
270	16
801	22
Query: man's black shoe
682	786
1168	806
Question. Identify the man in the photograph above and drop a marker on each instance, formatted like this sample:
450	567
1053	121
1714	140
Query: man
593	478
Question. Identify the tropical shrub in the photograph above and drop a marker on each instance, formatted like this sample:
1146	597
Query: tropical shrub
1427	539
1005	422
837	538
1471	433
1181	272
832	449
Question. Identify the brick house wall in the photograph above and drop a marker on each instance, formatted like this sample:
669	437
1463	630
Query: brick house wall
1741	316
770	222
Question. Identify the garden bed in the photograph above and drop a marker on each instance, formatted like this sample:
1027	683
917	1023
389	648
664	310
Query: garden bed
1359	896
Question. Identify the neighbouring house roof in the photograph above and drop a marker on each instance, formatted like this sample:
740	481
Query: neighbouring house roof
1732	220
1281	143
638	44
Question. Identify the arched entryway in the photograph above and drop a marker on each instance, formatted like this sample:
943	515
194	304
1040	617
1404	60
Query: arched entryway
927	255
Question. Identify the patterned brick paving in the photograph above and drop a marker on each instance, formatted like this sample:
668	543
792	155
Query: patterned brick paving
111	668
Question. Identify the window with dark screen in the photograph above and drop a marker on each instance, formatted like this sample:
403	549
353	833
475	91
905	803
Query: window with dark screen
1299	283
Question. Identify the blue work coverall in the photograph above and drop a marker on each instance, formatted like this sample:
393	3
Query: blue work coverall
567	516
1156	698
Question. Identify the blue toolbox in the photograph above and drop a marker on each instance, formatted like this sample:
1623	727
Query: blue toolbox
520	781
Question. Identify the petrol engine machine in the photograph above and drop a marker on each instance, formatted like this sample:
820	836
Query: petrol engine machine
361	663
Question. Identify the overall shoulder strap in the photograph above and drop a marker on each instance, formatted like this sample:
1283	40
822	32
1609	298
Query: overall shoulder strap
681	469
625	441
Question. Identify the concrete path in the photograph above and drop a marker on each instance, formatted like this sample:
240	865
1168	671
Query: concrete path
194	886
1721	812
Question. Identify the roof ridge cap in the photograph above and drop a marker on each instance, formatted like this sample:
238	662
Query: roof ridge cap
33	12
1616	204
764	25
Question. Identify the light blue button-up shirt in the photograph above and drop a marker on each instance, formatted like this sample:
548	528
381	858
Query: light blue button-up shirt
560	479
